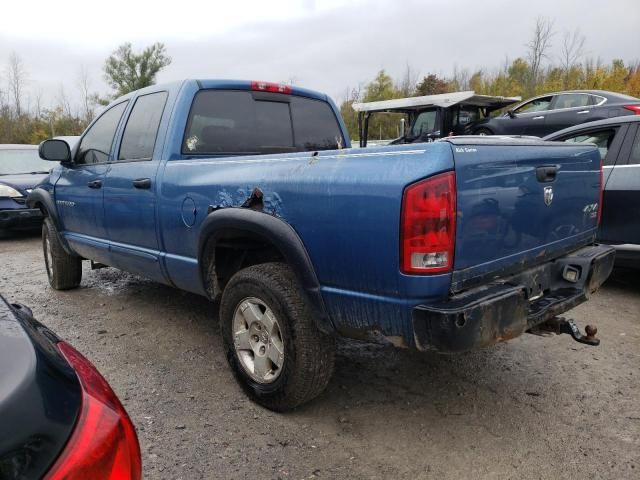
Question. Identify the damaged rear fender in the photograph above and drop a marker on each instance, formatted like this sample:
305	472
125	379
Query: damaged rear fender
266	228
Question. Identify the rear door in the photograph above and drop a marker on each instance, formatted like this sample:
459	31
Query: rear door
79	190
521	203
568	109
130	191
621	214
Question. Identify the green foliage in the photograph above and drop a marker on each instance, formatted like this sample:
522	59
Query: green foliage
380	88
126	71
32	129
434	85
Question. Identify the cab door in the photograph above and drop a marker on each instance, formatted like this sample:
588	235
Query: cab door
130	190
79	190
530	118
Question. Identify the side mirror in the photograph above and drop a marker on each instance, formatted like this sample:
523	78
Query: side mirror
55	150
511	113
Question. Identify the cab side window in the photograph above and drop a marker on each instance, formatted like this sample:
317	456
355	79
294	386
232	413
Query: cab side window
139	138
95	146
537	105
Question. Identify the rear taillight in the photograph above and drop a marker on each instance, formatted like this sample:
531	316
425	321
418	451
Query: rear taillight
600	197
427	232
634	108
270	87
103	444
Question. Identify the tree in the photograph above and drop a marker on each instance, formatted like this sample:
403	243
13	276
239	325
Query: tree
17	77
538	50
433	85
126	71
407	85
572	50
87	98
380	88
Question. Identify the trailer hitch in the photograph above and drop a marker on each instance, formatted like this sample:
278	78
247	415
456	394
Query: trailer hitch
560	325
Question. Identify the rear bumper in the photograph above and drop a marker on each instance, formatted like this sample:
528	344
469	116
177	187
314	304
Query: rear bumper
506	308
20	217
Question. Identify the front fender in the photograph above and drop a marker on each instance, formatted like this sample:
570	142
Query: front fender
282	236
42	199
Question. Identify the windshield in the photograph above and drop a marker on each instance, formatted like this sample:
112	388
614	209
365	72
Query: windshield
425	123
23	161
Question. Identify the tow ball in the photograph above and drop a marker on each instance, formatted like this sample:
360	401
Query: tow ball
559	325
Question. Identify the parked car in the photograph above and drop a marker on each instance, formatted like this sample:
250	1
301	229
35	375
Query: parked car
241	191
59	417
618	140
430	117
545	114
21	169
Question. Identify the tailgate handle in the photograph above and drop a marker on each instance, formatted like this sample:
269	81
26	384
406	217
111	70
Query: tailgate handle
546	173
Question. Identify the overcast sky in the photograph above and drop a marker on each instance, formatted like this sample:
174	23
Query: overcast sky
326	45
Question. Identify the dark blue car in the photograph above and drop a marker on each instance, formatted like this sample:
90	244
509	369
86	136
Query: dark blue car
21	169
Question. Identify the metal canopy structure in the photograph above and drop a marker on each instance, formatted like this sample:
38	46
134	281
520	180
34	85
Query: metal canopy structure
443	100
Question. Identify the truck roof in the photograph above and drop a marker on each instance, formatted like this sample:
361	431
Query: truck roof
468	97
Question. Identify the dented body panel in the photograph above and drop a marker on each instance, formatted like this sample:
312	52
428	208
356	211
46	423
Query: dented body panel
334	216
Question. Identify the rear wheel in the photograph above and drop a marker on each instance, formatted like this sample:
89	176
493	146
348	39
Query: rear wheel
63	270
483	131
273	346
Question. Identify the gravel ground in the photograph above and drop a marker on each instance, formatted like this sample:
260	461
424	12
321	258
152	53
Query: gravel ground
532	408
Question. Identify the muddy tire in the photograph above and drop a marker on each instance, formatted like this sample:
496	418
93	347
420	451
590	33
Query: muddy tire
63	270
273	346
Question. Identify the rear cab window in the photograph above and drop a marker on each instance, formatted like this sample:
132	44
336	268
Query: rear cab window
141	130
239	122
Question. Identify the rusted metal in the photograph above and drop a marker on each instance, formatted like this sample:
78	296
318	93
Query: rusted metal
560	325
255	201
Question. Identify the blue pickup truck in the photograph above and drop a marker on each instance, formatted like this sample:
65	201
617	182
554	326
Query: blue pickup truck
249	192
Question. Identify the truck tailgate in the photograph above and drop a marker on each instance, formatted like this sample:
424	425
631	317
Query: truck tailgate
519	203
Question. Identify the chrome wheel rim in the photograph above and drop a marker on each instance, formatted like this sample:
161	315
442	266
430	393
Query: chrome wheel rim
257	339
48	256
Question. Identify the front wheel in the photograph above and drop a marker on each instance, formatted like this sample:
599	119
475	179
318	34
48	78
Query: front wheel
273	346
63	270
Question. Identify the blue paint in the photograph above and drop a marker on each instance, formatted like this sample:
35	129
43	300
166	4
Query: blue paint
344	205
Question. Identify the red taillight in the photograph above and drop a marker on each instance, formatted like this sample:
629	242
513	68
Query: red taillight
428	224
103	444
634	108
270	87
600	197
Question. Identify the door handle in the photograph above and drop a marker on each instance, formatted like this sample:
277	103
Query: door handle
538	118
546	173
583	112
142	183
95	184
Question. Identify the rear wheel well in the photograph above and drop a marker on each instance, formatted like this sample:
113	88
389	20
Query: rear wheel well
228	253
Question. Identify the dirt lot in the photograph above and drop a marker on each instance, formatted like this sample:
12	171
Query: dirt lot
532	408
